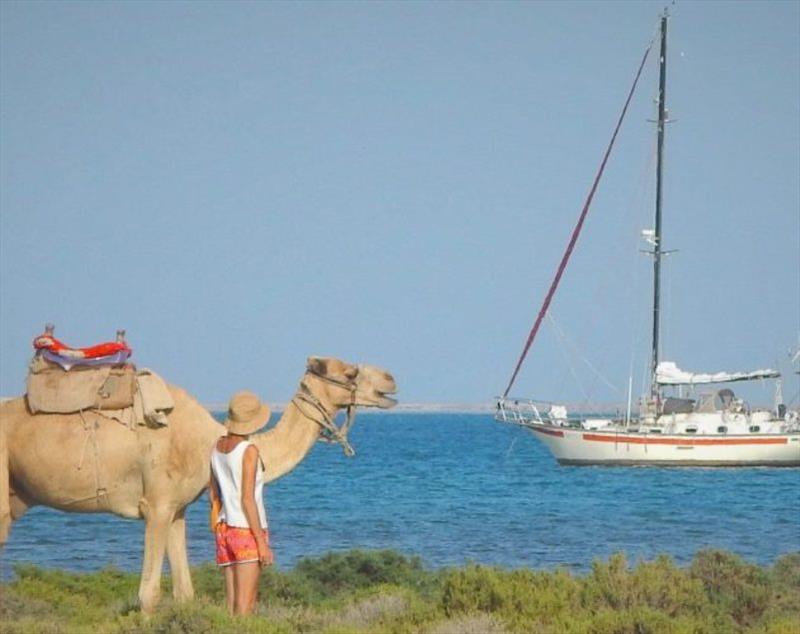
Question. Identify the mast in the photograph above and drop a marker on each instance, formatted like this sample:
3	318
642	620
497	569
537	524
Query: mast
657	251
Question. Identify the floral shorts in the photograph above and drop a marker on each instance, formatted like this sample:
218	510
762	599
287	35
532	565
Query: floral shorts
236	545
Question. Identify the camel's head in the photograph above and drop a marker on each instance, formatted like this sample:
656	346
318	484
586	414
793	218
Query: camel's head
346	385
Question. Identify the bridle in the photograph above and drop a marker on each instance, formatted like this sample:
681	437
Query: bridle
330	432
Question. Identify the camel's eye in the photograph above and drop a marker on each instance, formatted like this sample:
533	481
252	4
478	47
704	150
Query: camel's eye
351	372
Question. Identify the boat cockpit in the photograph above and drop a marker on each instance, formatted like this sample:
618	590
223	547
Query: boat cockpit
723	400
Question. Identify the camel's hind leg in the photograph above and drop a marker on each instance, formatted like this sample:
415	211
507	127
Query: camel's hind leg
182	588
157	521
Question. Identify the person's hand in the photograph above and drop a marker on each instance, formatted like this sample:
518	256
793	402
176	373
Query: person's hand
265	557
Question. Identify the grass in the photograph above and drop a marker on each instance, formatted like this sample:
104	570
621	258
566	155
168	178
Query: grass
384	592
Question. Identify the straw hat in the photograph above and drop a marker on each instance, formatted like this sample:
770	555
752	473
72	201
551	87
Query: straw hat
246	413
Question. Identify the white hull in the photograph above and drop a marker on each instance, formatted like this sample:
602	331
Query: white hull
587	447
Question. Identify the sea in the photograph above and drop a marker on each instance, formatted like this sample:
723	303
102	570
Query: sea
458	488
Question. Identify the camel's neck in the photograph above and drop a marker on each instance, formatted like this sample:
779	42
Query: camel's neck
286	444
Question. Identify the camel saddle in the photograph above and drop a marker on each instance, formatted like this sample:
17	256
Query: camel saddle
54	390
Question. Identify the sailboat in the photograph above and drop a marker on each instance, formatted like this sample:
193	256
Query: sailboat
716	429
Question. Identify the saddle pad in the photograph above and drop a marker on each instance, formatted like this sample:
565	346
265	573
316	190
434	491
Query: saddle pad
117	391
156	400
152	402
56	391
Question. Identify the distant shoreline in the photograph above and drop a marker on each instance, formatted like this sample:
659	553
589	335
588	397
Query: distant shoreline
403	408
448	408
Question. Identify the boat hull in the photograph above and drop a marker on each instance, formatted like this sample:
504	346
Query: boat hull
582	447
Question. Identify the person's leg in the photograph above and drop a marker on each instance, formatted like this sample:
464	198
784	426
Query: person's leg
230	590
246	586
225	559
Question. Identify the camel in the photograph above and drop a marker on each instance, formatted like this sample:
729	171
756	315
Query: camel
87	463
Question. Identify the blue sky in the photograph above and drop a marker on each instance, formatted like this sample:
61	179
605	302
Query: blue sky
241	185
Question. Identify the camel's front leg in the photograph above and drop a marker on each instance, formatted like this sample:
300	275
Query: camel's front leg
182	588
16	509
5	490
157	522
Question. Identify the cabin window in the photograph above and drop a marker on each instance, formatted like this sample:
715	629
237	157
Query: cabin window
692	429
754	429
722	429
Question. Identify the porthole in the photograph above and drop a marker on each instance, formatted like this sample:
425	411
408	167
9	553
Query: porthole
722	429
754	429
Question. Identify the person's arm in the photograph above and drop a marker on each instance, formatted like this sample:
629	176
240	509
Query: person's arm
215	499
249	465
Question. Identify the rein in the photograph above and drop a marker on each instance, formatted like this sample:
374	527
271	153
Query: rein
330	432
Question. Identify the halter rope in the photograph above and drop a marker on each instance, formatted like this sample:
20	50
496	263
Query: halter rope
330	432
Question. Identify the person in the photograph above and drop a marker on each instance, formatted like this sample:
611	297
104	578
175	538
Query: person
235	488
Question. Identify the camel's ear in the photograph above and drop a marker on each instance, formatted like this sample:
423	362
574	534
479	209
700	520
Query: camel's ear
317	365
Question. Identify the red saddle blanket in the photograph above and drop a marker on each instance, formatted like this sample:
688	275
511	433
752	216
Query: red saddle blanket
51	344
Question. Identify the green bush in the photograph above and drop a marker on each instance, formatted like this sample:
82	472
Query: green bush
786	570
659	585
519	597
739	589
344	572
383	592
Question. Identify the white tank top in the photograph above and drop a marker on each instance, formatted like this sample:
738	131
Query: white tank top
227	468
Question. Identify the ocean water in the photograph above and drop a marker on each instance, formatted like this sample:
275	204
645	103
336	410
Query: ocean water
454	488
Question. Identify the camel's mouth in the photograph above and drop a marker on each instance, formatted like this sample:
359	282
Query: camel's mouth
386	402
376	387
383	394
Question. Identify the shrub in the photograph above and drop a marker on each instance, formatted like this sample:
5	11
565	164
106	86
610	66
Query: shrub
386	593
740	589
472	589
357	569
786	574
14	605
640	620
470	624
659	585
784	591
522	598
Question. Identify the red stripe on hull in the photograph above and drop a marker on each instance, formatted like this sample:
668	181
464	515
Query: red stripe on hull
654	440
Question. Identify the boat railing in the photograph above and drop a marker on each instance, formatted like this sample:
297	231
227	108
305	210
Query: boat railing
528	411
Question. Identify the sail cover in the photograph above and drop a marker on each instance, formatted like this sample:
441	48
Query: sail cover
668	373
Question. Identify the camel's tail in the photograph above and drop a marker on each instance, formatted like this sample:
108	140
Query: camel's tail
5	492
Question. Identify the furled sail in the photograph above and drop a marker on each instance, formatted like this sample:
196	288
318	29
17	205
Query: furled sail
668	373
